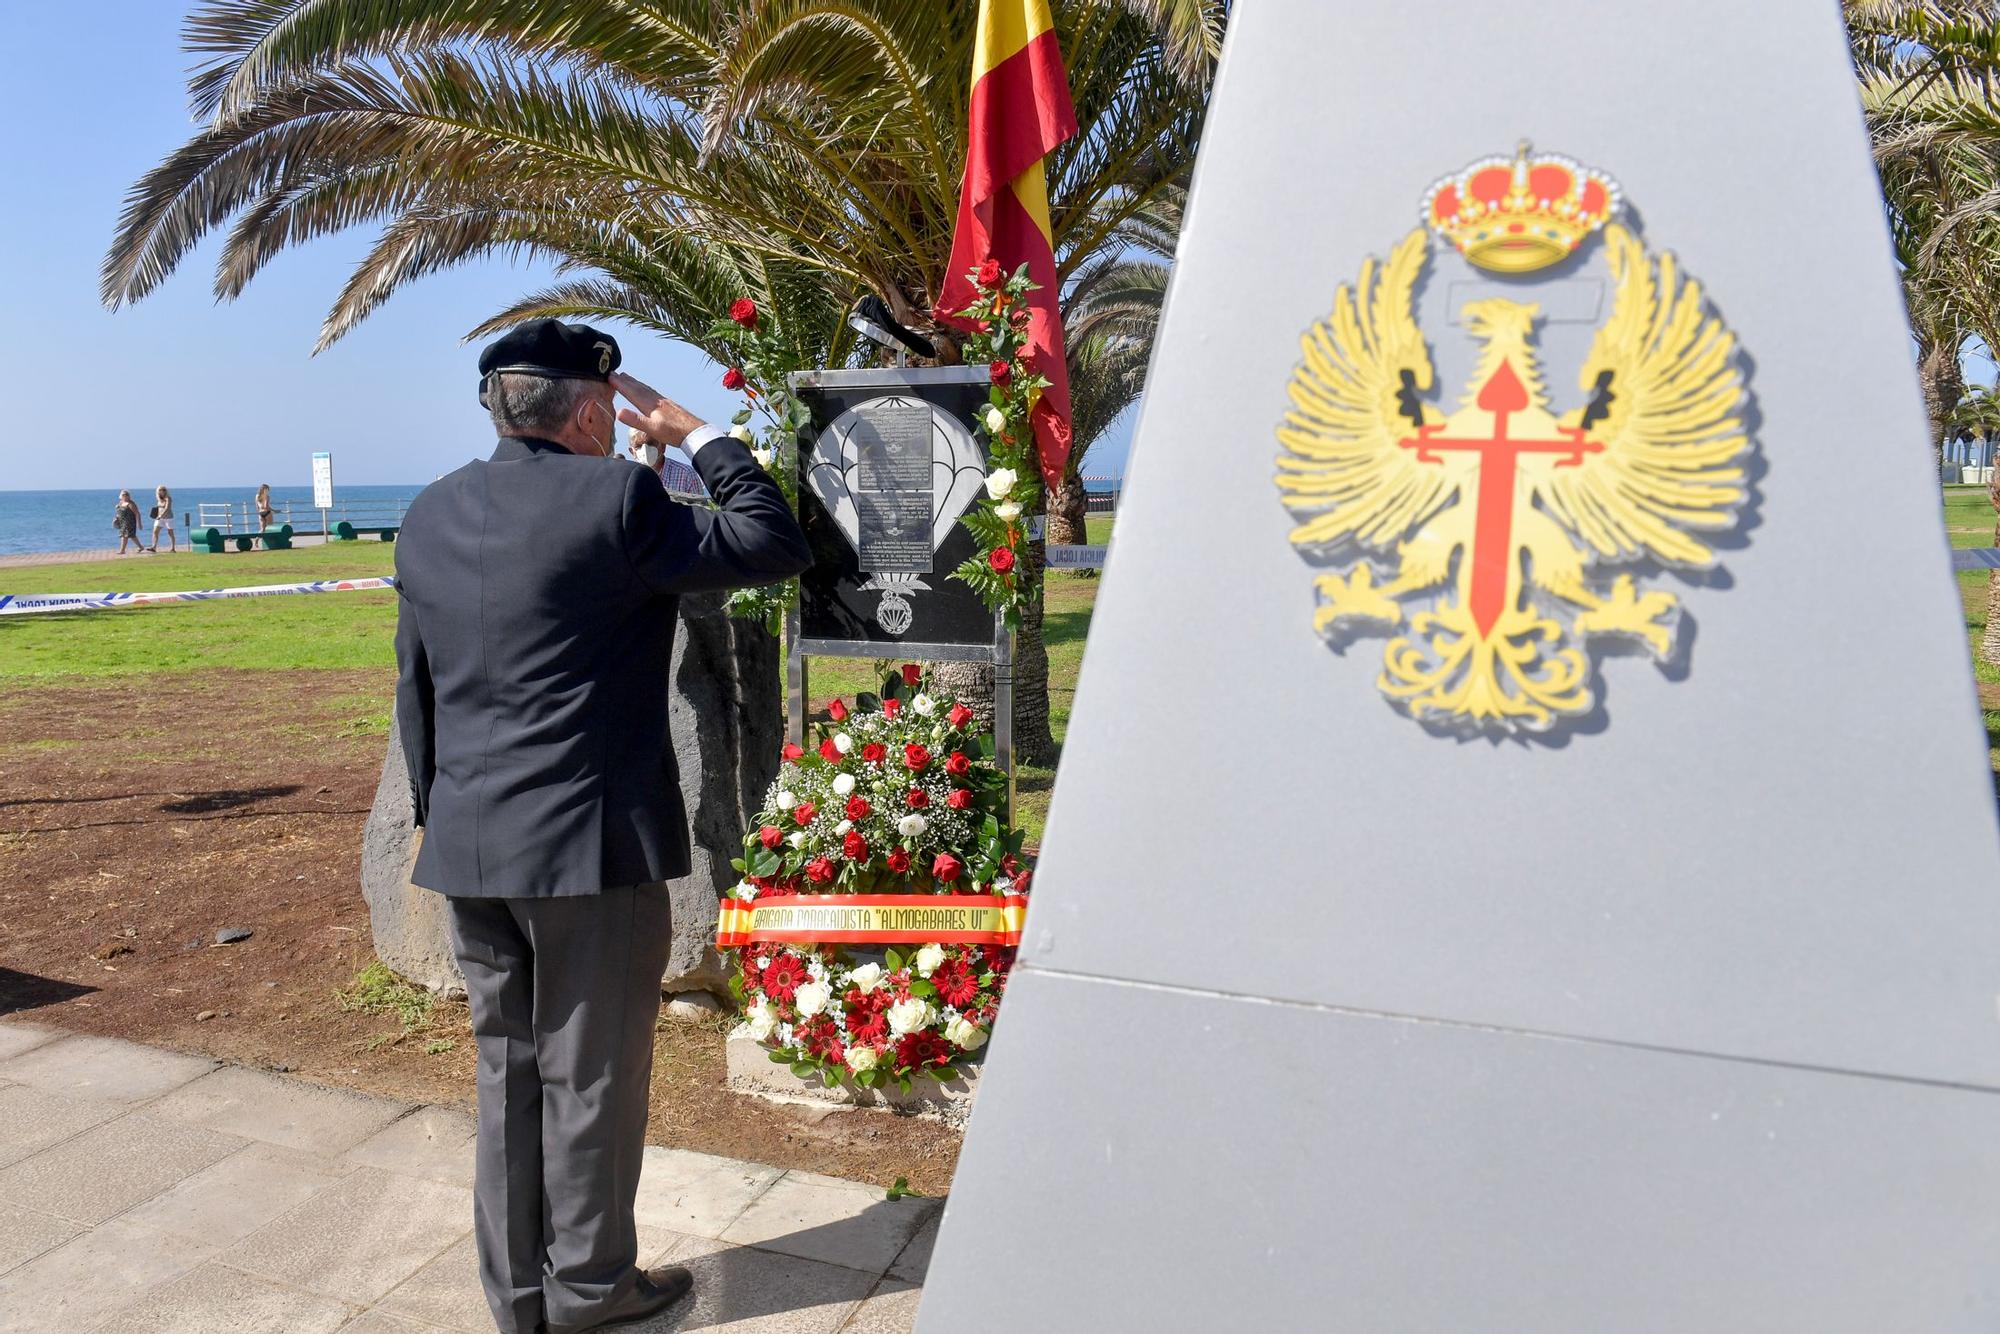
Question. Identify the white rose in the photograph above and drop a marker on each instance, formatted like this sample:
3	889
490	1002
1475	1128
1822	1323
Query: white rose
910	1015
812	998
923	705
996	421
745	890
965	1034
762	1017
797	838
866	978
740	432
928	958
1008	511
763	457
787	800
841	830
843	784
843	742
860	1059
912	825
999	482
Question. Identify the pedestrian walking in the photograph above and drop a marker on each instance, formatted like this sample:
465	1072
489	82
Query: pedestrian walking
125	519
538	590
265	514
163	516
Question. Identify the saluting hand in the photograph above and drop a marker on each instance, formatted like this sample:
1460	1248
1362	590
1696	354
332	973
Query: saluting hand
658	417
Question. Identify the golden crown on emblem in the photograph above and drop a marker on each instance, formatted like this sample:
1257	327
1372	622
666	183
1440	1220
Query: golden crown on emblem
1518	214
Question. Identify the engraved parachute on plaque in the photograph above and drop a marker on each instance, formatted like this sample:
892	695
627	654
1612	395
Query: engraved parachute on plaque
894	474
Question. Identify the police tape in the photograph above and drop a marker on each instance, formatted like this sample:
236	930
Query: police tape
27	604
866	919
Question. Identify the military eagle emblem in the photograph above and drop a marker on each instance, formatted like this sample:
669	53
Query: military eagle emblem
1496	541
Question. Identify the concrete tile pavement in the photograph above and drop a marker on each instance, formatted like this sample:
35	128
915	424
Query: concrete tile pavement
146	1192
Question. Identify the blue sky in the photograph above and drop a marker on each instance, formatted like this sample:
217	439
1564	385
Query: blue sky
179	389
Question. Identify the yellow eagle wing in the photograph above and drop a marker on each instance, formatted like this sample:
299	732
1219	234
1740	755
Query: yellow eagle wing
1665	397
1344	473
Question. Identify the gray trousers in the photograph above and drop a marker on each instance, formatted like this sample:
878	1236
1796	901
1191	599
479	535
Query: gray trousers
565	993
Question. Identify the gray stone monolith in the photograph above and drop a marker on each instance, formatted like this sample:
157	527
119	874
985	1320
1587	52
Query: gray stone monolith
727	725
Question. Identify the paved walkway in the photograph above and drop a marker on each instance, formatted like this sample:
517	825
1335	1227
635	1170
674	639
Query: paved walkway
144	1190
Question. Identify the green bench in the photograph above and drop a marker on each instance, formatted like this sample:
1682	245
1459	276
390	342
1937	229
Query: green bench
347	532
215	541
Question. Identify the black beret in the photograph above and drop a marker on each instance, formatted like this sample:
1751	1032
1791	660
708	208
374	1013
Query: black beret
550	348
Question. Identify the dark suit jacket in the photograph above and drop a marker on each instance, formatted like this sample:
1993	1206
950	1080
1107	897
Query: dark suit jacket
537	598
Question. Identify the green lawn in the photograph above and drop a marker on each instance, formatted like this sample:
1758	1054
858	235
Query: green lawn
357	630
1969	519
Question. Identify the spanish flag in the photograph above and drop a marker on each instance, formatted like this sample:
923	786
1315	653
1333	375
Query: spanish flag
1020	111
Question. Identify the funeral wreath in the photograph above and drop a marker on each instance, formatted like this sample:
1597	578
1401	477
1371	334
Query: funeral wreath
875	924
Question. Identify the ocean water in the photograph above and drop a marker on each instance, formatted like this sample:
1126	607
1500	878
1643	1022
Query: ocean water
81	520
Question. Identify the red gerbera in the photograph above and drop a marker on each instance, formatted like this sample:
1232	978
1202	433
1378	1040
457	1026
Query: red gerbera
922	1048
956	985
784	977
867	1016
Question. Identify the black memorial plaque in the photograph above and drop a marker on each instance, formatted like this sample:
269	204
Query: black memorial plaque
880	574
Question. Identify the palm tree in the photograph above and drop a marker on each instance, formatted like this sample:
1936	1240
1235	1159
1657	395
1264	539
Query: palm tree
666	155
1929	72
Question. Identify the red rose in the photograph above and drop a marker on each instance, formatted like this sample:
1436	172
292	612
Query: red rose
960	716
874	752
912	674
959	799
744	312
793	752
804	812
1010	864
918	799
1020	881
1002	371
784	977
836	710
1001	559
854	847
819	870
858	808
945	868
829	752
891	707
732	378
989	273
899	860
915	757
956	985
922	1048
958	766
770	836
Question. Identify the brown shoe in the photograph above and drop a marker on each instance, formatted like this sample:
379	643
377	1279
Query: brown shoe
656	1290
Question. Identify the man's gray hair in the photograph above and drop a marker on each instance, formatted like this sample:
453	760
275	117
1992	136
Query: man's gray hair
524	404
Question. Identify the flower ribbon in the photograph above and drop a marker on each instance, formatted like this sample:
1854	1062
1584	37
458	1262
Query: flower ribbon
811	919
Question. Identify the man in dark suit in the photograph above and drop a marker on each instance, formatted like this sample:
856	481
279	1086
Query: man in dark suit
538	591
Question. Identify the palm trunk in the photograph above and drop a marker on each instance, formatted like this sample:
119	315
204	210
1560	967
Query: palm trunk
1067	508
1944	385
971	683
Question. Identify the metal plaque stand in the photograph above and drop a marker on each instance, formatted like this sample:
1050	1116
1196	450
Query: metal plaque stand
1000	653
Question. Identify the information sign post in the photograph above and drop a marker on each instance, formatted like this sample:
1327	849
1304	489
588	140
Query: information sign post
323	492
